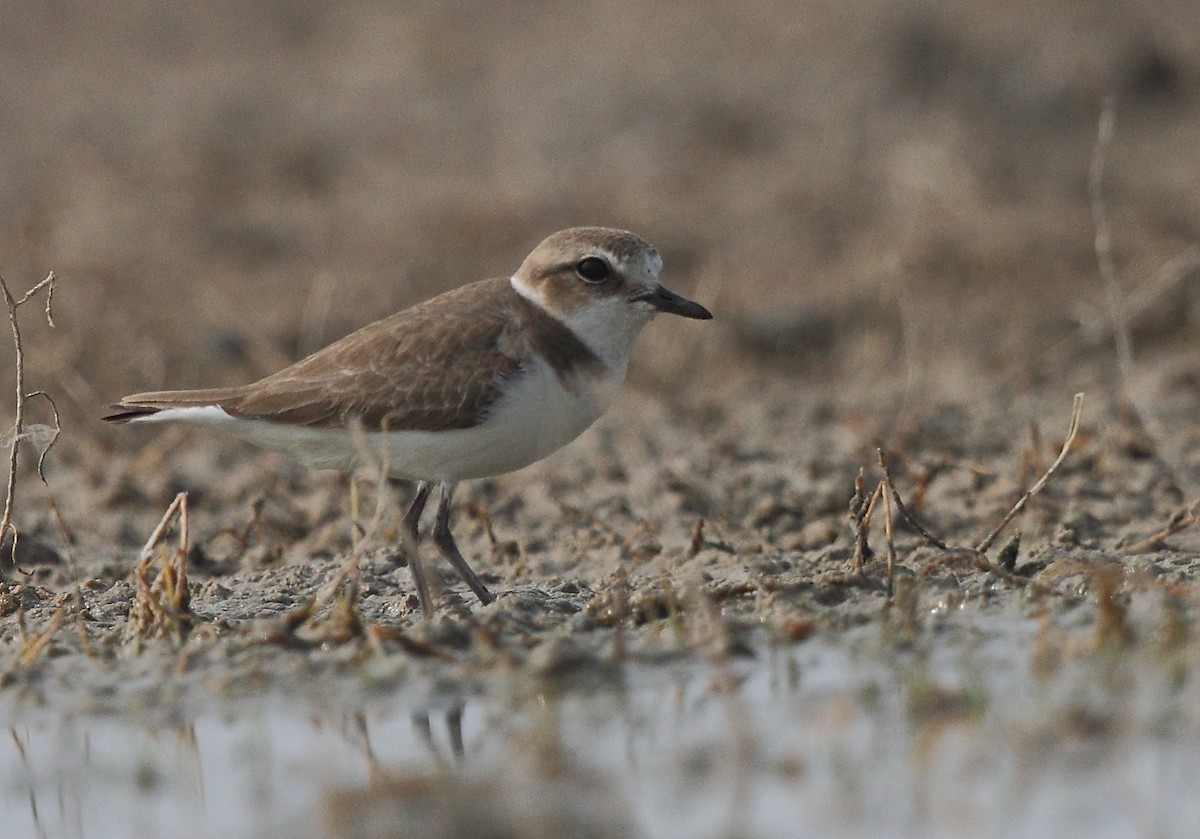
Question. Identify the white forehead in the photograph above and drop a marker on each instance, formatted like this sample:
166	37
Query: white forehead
642	260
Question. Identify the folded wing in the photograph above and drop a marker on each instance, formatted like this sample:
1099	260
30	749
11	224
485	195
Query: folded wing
428	368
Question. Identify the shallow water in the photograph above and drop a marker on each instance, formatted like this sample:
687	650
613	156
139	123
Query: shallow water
857	738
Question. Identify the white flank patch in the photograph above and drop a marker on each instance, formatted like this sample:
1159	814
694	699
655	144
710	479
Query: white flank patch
197	415
535	417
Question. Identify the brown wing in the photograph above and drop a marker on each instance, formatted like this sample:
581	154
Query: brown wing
434	367
437	366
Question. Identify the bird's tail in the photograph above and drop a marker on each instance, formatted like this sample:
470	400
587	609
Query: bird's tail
143	405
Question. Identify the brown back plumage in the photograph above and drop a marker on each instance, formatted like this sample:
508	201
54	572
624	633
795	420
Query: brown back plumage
437	366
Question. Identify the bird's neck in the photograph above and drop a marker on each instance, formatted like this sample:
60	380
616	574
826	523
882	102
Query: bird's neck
607	327
608	330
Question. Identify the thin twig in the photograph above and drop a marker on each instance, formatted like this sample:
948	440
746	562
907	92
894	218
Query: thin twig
1182	520
862	508
163	523
10	495
1103	239
977	555
349	570
64	532
12	304
696	542
175	573
38	643
1117	311
891	487
165	604
47	284
41	462
1038	461
356	530
480	512
1076	414
889	530
1171	273
940	462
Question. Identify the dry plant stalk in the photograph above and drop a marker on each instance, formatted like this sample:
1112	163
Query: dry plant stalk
241	536
891	543
1171	273
862	508
345	621
18	428
620	610
887	489
1011	549
696	542
1112	628
356	528
484	517
1182	520
1037	461
1103	241
710	635
163	605
1072	432
901	506
33	647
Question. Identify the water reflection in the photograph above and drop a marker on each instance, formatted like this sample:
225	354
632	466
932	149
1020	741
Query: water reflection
807	740
32	792
453	717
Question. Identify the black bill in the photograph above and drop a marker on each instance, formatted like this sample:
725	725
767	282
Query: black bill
665	300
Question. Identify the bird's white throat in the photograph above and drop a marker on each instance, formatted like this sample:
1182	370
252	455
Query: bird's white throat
608	326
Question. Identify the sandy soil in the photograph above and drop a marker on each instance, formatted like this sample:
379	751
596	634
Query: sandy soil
887	206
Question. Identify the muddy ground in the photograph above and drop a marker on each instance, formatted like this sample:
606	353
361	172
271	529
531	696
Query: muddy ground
887	207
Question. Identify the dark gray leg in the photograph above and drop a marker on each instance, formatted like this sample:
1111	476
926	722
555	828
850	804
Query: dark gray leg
411	533
444	539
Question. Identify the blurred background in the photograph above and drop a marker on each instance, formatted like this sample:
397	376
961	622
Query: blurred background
886	205
222	187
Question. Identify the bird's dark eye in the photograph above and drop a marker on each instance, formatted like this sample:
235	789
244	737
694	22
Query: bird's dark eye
593	269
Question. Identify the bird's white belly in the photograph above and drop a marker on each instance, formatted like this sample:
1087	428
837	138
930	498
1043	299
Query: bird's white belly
535	417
